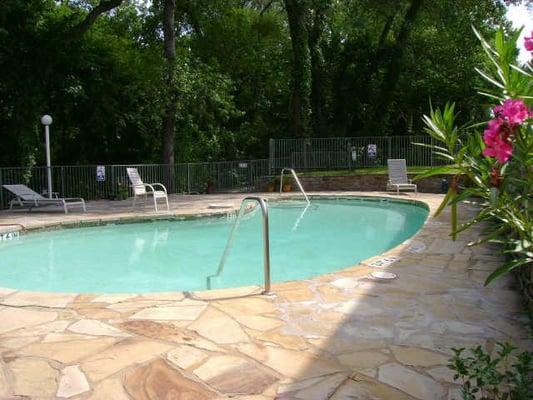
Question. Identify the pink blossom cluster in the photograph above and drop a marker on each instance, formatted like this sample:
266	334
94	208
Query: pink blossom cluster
528	42
500	130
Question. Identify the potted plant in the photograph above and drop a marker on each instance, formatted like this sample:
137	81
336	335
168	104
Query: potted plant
271	185
209	185
287	186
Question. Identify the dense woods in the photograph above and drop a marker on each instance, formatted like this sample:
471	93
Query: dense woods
184	80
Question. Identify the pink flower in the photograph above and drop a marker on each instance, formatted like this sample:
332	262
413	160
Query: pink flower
502	151
528	42
497	139
513	111
493	130
500	131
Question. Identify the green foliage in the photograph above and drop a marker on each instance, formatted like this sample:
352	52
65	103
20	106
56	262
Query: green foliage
122	191
438	61
105	89
503	192
503	376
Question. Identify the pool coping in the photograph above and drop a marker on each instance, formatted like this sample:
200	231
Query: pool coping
224	293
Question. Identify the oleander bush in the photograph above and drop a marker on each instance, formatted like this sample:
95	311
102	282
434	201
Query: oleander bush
495	156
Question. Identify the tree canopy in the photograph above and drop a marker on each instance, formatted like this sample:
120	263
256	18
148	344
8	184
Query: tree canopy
241	72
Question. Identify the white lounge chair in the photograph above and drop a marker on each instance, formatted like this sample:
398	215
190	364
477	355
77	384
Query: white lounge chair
398	179
140	188
25	197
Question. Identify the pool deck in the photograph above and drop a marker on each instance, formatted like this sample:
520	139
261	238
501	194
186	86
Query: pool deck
338	336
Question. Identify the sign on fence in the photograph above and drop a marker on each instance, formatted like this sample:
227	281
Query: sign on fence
100	173
372	150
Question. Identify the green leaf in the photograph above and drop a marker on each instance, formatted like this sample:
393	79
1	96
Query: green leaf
489	78
507	267
444	203
445	170
492	96
454	218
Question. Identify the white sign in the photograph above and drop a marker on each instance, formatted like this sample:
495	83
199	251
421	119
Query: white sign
100	173
243	165
9	236
372	150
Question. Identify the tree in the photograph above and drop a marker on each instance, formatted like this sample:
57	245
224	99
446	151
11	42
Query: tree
317	26
171	95
217	78
300	107
102	7
392	74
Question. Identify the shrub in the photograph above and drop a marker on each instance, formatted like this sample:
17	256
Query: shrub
497	162
484	377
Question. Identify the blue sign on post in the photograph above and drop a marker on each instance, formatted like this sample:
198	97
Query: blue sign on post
372	150
100	173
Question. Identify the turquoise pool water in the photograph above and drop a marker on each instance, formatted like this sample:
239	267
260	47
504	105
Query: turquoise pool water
181	254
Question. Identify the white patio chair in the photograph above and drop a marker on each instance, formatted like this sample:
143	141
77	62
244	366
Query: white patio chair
25	197
398	179
140	189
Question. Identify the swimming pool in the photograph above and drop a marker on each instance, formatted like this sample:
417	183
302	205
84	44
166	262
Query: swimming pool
178	255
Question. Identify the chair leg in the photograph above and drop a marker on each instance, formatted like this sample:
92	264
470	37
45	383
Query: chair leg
155	203
134	200
83	205
168	207
65	208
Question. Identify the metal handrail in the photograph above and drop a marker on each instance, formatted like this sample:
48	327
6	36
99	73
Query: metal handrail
266	243
297	182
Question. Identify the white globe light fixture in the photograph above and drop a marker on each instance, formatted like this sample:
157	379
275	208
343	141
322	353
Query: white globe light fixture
46	120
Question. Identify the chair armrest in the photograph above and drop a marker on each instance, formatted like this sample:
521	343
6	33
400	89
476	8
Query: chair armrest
147	185
159	184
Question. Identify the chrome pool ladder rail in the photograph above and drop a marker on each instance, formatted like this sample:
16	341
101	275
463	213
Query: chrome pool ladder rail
297	183
266	242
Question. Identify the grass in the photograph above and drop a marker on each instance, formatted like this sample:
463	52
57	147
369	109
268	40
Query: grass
372	171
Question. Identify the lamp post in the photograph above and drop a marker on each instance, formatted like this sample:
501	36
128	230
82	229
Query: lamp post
46	120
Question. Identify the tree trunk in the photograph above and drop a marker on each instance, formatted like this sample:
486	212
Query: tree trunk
102	7
300	108
169	118
316	32
381	113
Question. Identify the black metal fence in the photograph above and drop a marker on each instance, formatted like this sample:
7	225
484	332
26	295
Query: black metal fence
350	152
224	176
82	180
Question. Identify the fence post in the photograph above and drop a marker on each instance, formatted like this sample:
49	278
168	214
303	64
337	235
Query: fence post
305	154
218	184
1	191
250	174
113	182
271	155
390	147
431	152
188	178
62	172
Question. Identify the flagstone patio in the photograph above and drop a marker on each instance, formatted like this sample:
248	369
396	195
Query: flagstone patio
338	336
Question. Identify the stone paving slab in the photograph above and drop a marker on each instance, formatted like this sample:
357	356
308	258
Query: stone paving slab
338	336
